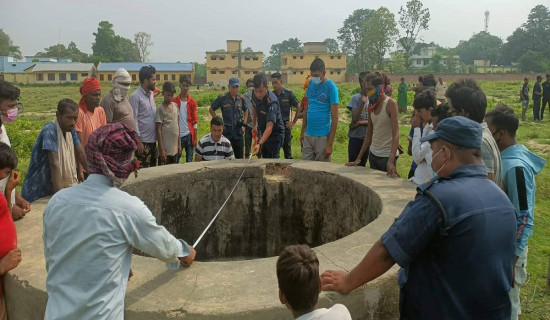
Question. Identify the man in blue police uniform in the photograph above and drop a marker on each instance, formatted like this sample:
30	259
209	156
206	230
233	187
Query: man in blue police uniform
233	113
455	241
267	119
287	100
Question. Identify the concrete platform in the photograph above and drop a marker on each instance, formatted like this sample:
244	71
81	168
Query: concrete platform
222	286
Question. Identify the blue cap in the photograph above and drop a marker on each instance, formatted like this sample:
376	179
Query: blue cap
234	82
459	131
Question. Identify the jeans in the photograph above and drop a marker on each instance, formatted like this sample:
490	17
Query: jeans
354	147
536	109
287	142
247	141
187	147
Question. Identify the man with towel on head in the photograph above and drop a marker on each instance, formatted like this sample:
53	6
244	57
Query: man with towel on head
115	104
88	256
55	155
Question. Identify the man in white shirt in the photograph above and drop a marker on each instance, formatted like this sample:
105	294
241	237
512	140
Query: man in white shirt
440	89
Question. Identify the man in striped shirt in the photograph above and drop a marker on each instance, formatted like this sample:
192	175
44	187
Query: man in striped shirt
214	146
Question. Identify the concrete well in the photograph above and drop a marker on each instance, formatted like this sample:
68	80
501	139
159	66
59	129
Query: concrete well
339	211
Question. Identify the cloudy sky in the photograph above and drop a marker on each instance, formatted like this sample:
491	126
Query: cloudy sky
183	30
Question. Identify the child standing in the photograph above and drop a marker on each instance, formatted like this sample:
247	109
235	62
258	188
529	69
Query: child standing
167	125
300	284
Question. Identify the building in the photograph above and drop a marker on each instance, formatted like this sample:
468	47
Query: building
425	57
166	71
485	66
53	73
220	66
13	71
295	66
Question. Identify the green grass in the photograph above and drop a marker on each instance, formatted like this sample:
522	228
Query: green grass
40	104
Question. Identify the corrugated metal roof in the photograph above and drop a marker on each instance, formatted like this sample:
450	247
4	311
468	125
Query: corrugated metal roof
76	66
15	67
135	66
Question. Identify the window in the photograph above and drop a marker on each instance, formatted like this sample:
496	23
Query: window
294	57
110	77
285	61
254	72
133	77
246	58
222	72
418	61
157	77
51	76
222	58
101	77
247	72
301	72
234	57
338	72
255	59
173	77
332	72
165	77
62	77
301	57
73	76
234	71
85	74
331	57
213	58
339	57
426	62
213	72
39	77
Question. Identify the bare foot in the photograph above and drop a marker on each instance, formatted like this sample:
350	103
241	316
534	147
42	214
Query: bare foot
17	212
23	204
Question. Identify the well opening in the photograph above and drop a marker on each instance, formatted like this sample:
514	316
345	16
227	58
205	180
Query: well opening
273	206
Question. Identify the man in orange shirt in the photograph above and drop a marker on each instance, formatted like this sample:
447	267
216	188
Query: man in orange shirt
90	116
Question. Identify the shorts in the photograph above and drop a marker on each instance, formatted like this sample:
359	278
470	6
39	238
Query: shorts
525	104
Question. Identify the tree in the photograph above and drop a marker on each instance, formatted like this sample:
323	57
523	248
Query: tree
60	51
143	42
200	69
109	47
414	18
481	46
515	46
7	48
379	34
533	61
397	64
248	49
351	37
332	45
273	62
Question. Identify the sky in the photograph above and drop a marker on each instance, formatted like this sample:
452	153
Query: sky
184	30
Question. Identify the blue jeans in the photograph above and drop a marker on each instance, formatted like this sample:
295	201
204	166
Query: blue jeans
187	147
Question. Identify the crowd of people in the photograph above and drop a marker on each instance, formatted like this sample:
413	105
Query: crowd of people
461	244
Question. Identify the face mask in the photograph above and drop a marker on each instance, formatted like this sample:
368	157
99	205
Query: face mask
443	166
316	80
250	91
374	94
12	114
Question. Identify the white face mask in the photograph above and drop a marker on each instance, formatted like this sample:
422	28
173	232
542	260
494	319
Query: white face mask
250	91
443	166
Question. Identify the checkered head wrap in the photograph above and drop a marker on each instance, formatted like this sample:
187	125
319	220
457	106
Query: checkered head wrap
110	152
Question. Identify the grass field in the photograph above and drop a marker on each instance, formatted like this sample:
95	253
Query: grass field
40	104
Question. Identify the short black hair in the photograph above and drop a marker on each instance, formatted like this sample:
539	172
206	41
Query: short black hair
146	72
65	104
276	75
185	78
249	80
8	159
377	78
465	95
429	80
168	87
298	276
216	121
503	117
363	76
420	79
317	65
8	91
425	100
259	80
539	77
441	112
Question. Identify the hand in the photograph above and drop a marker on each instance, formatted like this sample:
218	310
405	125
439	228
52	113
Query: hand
162	155
10	261
194	143
22	203
391	171
81	174
302	138
333	280
179	151
15	179
364	97
17	213
243	129
131	274
187	261
415	121
353	164
140	148
290	124
328	151
353	125
256	149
